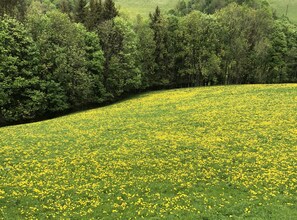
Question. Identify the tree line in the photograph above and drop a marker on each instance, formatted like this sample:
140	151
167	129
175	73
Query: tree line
60	55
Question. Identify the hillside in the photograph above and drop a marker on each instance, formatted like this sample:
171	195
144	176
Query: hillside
281	8
144	7
203	153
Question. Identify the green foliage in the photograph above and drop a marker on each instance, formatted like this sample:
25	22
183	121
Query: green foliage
92	13
52	62
238	44
95	15
146	48
21	96
14	8
71	58
73	67
161	57
65	6
81	11
125	63
201	62
282	55
109	10
95	65
211	6
120	44
243	30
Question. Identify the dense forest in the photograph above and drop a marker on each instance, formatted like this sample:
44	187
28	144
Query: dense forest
61	55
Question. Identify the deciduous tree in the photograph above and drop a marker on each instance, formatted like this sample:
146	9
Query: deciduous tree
21	94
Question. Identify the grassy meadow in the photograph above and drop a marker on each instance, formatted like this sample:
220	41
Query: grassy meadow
225	152
281	8
144	7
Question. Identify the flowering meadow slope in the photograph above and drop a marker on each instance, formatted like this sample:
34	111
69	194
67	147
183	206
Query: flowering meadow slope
203	153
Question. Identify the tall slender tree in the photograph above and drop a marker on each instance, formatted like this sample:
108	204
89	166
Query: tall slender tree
146	48
95	14
161	67
109	10
81	11
65	7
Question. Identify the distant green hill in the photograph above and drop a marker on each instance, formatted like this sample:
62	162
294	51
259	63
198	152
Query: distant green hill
285	7
144	7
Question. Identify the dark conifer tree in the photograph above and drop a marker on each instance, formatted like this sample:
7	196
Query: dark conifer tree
65	7
13	8
158	25
95	14
99	11
81	11
109	10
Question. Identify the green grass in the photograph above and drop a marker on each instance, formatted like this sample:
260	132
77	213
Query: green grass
203	153
144	7
281	8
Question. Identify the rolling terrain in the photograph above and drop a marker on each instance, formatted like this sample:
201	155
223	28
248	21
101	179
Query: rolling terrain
225	152
144	7
285	7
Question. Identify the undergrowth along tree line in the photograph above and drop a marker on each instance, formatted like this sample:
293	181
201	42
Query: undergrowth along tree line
65	54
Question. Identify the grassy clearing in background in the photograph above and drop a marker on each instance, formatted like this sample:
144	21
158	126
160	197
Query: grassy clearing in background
203	153
144	7
281	8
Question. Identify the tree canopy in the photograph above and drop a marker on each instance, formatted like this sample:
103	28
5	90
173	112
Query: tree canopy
61	55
